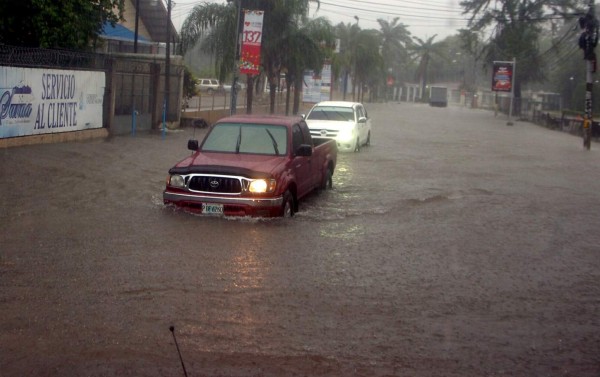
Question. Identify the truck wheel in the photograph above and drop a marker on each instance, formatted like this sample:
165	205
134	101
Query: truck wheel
327	180
357	146
287	207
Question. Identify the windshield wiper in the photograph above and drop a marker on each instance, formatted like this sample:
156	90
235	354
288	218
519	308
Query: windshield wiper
239	141
274	142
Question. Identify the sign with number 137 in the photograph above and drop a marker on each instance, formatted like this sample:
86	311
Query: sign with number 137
251	41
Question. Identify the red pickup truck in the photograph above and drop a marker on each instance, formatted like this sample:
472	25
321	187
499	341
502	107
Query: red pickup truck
252	165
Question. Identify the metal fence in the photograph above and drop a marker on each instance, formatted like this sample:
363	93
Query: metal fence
135	82
46	58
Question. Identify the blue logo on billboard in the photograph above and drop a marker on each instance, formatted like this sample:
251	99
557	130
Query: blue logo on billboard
15	103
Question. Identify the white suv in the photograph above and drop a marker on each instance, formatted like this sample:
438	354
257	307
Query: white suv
346	122
212	86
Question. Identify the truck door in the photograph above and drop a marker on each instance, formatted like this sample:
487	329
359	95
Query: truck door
301	165
317	160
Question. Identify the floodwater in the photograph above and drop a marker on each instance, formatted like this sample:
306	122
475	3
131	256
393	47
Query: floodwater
455	245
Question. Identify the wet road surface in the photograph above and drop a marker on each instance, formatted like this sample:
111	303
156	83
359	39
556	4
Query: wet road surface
455	245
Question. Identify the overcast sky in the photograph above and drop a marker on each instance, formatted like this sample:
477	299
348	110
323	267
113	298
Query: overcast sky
423	19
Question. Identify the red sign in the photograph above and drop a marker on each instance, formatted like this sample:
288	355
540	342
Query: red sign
502	76
251	42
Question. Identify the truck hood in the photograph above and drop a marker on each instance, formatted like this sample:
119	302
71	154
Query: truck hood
247	165
329	124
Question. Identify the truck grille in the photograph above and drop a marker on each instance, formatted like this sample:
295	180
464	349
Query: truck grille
324	133
207	183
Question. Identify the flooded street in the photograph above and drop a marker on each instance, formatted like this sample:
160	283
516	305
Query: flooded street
454	245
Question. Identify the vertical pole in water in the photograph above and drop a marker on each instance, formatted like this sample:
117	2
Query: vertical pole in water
133	122
512	91
164	125
588	42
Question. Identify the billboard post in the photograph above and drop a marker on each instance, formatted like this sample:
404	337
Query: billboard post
588	40
503	78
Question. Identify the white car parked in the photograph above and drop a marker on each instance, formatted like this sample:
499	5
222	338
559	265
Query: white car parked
346	122
212	86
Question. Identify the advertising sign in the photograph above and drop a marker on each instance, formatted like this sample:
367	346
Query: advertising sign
42	101
317	88
502	75
251	42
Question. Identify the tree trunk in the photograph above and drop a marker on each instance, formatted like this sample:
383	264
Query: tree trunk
297	93
272	92
249	93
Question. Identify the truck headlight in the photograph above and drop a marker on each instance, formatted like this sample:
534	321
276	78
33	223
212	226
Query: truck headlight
176	181
259	186
345	134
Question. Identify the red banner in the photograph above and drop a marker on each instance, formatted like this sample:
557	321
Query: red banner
251	42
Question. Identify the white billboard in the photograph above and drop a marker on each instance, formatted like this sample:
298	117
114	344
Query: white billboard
39	101
317	88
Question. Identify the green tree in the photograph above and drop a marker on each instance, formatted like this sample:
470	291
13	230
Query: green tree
343	61
368	63
395	38
425	51
189	86
307	47
70	24
280	17
213	25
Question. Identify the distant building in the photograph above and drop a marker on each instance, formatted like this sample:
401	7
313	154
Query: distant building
152	30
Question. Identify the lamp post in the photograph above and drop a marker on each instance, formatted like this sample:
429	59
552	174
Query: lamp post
354	78
236	59
167	64
137	20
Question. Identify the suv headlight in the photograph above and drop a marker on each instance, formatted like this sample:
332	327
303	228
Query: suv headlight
176	181
346	134
260	186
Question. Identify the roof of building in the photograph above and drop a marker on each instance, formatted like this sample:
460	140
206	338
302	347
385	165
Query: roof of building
120	32
153	14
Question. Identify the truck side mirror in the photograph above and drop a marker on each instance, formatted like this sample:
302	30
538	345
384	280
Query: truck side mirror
362	120
304	150
193	145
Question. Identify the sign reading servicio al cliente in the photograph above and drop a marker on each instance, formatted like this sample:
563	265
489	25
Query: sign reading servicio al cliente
42	101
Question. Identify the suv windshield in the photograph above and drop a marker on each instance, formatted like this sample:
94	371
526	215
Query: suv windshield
331	113
247	138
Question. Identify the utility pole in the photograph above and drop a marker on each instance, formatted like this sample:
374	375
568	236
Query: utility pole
355	76
236	61
167	68
587	42
137	21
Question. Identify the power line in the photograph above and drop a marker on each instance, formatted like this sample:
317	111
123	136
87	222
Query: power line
395	13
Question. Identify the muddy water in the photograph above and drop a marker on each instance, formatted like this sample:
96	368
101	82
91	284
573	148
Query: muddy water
455	245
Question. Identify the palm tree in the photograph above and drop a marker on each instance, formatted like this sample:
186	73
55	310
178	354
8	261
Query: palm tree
216	24
368	63
281	16
395	38
424	52
342	62
307	48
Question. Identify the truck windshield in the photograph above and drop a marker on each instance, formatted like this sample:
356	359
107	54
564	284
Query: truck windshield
247	138
331	113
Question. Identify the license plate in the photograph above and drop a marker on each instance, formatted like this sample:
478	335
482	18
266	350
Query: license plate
212	209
